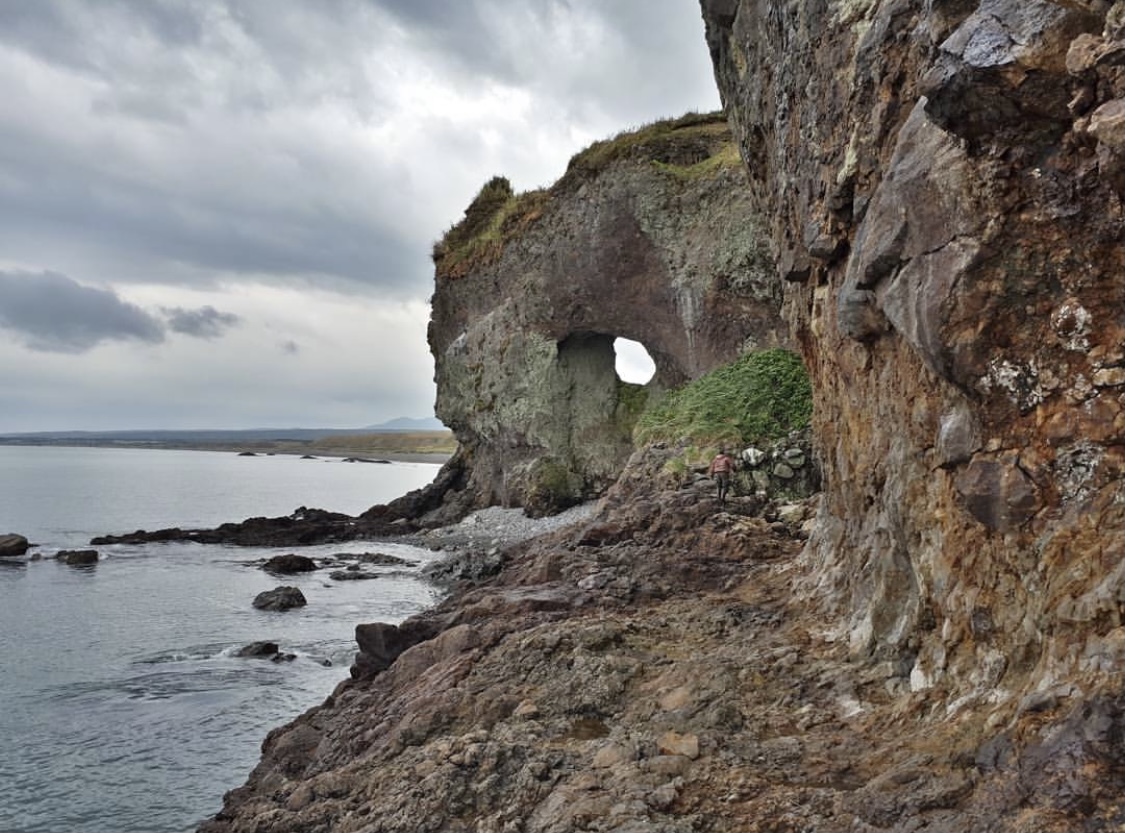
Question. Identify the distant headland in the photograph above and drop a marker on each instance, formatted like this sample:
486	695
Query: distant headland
401	440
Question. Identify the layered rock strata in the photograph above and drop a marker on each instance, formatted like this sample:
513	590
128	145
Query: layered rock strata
650	237
944	182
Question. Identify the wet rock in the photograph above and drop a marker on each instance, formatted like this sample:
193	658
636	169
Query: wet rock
78	558
12	544
258	649
351	575
289	564
280	598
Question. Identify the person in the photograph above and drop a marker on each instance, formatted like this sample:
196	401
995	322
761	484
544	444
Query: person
721	469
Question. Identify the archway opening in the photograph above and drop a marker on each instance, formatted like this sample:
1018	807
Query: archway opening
633	363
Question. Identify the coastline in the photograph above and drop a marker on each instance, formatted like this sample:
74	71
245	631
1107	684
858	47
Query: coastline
292	448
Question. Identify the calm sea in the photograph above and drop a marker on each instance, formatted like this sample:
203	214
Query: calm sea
122	706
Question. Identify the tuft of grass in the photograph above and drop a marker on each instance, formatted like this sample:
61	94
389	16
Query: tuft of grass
758	398
494	217
672	144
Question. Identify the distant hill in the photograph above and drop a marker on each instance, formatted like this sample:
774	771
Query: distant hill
409	424
223	435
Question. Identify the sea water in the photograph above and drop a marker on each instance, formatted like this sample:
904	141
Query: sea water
122	704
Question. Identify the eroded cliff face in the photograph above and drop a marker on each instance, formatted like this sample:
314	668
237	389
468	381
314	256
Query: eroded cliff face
649	237
944	180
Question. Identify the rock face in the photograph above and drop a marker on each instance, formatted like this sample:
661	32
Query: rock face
649	237
950	235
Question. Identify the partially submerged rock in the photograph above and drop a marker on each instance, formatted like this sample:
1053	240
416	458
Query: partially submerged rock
289	563
78	558
12	544
280	598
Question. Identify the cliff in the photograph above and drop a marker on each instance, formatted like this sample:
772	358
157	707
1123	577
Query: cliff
941	183
648	236
950	235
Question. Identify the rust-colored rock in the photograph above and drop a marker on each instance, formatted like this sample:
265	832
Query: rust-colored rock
970	156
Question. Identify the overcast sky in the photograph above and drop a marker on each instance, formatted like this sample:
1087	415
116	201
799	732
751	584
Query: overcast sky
219	213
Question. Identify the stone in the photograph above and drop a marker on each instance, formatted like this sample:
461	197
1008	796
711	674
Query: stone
958	435
859	315
998	494
78	558
12	544
1107	124
380	644
289	564
1083	53
752	456
674	743
258	649
1109	377
280	598
351	575
613	754
783	471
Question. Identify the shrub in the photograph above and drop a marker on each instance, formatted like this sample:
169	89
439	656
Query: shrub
760	397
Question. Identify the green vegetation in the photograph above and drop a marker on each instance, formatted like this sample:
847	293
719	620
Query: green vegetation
631	402
760	397
494	216
696	143
693	146
549	488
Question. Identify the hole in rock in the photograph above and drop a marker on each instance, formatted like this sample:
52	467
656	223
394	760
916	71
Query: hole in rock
633	363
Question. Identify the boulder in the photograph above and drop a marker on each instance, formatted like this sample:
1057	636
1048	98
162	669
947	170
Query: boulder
12	544
280	598
258	649
78	558
289	564
351	575
380	644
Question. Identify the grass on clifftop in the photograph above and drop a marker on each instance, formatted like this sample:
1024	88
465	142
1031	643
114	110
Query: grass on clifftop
693	146
760	397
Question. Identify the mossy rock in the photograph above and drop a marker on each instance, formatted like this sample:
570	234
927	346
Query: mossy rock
551	489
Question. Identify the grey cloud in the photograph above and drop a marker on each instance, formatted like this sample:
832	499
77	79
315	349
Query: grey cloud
205	322
51	313
218	89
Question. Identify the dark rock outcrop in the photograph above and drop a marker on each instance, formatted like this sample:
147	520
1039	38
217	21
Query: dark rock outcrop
289	564
78	558
649	236
12	544
280	598
258	649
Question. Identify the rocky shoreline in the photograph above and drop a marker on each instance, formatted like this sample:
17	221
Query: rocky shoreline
661	664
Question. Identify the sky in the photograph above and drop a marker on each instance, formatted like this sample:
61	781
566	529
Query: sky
219	213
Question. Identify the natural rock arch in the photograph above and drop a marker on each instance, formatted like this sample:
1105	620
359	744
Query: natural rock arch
649	237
